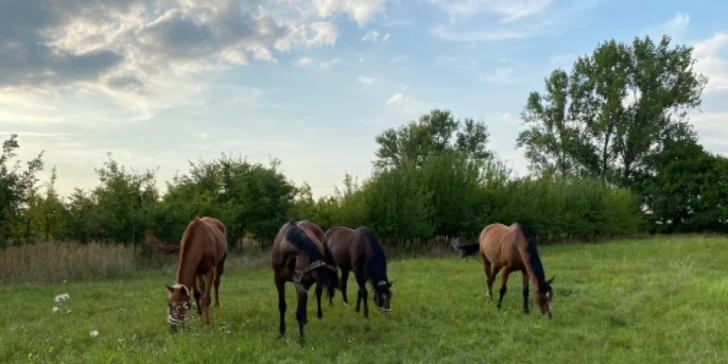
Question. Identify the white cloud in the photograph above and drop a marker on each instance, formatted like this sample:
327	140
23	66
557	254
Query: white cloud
507	10
304	61
140	58
398	59
364	80
710	64
396	98
386	37
360	10
371	36
328	64
501	76
488	35
678	23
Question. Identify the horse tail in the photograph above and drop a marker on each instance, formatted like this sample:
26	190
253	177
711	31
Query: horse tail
155	244
466	249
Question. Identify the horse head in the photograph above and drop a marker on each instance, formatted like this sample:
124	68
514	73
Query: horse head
383	296
543	296
178	305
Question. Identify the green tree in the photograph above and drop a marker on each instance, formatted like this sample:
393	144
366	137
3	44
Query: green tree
620	100
16	188
434	133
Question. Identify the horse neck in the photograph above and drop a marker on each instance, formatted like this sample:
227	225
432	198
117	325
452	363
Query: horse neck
532	262
189	257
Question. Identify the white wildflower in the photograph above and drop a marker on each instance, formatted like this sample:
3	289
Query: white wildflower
94	333
62	297
55	309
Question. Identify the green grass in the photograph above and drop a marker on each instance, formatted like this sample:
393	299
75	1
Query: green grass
632	301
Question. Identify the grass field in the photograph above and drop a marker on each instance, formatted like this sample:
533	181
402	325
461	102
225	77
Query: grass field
641	301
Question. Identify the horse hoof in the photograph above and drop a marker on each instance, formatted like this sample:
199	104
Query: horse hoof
320	315
302	341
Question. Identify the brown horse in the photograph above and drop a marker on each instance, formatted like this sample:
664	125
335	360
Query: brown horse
203	250
299	255
510	249
360	251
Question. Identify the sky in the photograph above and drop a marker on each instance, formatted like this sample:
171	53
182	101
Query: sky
158	83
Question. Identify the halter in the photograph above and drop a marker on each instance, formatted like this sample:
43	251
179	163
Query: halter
174	321
312	266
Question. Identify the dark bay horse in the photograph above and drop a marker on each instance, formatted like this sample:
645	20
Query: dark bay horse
299	255
510	249
360	251
203	250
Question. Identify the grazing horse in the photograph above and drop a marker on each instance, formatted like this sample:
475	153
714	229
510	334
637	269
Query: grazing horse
299	255
509	249
360	251
203	250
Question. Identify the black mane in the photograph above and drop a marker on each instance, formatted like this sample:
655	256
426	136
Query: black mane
376	260
534	258
302	242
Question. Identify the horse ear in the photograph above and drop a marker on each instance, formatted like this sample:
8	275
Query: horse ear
551	280
170	289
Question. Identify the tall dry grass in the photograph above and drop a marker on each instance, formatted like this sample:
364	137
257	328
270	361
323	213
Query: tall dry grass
58	261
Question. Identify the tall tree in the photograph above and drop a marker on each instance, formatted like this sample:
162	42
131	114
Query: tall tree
432	134
621	99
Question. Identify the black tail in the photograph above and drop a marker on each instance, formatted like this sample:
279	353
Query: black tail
466	249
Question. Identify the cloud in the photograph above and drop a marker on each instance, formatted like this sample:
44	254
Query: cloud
710	64
487	35
396	98
360	10
328	64
398	59
141	57
678	23
304	61
364	80
501	76
386	37
507	10
371	36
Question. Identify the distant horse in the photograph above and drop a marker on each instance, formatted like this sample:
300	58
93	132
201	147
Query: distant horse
360	251
510	249
203	250
299	255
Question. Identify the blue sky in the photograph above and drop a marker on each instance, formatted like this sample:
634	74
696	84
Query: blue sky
158	83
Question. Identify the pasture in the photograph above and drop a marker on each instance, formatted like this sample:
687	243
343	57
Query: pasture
657	300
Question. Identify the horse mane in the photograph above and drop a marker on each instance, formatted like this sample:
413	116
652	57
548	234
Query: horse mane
533	258
187	238
152	242
302	242
376	260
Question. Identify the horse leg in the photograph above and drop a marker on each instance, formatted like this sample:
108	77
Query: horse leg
363	296
493	272
487	270
525	292
504	280
280	286
344	279
319	291
206	295
196	293
301	313
220	269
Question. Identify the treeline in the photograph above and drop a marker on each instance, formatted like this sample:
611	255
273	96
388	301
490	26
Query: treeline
611	154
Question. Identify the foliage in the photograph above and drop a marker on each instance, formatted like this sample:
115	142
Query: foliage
606	119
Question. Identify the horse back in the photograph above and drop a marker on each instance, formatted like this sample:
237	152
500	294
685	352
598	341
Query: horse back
498	242
340	239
